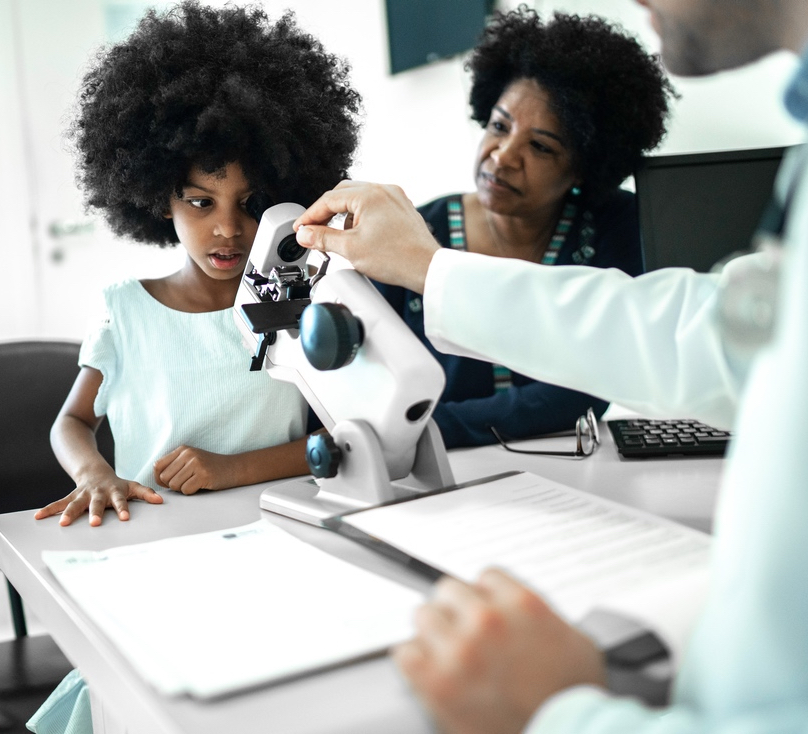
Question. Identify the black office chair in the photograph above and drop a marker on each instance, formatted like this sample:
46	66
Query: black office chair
35	378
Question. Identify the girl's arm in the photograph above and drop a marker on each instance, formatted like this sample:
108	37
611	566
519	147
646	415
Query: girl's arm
73	442
187	469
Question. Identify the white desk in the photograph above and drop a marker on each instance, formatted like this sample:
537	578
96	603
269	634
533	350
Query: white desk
364	697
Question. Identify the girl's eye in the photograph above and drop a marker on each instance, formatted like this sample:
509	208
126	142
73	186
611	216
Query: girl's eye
200	203
497	126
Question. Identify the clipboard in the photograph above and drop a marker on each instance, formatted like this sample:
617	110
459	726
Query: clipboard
676	556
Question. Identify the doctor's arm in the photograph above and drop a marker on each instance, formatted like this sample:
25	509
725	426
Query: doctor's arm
649	343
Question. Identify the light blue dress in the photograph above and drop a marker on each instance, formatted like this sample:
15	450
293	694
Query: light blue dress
171	378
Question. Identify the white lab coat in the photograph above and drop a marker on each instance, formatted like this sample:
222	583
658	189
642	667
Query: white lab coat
653	344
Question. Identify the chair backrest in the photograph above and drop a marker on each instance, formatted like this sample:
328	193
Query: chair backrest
35	378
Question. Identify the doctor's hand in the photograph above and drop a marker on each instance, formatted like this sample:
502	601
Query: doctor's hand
486	656
385	236
94	494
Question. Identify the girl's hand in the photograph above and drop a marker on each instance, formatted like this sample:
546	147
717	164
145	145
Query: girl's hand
188	470
96	496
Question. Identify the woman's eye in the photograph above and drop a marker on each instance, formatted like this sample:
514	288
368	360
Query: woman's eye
540	147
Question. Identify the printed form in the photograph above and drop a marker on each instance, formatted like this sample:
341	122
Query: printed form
214	613
581	552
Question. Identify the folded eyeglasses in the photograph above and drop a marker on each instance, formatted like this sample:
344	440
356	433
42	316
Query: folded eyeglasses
587	438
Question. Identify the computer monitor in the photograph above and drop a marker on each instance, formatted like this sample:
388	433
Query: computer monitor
697	208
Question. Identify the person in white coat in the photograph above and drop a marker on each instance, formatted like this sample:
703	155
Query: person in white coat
492	657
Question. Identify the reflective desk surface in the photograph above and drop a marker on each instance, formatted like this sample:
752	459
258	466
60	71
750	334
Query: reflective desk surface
368	696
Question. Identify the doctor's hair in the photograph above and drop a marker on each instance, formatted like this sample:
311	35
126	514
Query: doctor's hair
205	87
610	96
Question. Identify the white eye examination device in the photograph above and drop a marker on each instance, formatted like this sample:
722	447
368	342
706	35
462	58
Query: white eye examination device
368	378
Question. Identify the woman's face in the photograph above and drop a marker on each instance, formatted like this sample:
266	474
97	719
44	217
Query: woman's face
524	166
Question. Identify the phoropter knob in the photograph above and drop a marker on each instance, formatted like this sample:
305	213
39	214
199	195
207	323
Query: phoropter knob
330	335
322	455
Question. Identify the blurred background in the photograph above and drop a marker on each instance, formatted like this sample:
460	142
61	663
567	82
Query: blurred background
56	257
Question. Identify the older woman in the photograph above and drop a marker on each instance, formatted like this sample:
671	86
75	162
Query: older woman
568	109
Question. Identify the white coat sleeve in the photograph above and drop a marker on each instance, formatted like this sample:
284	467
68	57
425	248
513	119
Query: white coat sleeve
746	668
648	343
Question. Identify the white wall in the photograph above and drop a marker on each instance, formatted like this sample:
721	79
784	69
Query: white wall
15	242
416	129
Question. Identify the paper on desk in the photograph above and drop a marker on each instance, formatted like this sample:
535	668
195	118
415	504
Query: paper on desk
580	551
213	613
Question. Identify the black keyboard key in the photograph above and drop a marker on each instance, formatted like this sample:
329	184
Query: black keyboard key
641	438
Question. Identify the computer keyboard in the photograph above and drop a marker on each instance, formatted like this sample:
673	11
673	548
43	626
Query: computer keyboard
644	438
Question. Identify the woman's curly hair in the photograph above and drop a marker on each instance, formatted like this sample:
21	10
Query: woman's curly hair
198	86
610	96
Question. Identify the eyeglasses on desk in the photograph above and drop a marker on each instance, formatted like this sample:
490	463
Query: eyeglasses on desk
587	438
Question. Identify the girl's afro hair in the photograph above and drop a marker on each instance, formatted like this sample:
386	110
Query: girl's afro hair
198	86
610	96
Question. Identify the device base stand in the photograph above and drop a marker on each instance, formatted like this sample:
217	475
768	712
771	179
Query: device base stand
363	480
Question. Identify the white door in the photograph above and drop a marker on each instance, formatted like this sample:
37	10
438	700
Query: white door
55	257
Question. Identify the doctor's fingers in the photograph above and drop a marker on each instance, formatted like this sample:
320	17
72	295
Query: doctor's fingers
452	647
461	610
507	592
324	239
353	197
437	622
376	215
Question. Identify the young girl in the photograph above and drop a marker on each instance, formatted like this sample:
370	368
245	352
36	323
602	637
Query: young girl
177	128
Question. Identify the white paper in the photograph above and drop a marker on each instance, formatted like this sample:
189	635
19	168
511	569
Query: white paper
217	612
580	551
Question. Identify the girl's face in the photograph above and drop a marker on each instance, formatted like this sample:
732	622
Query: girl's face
524	165
212	222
